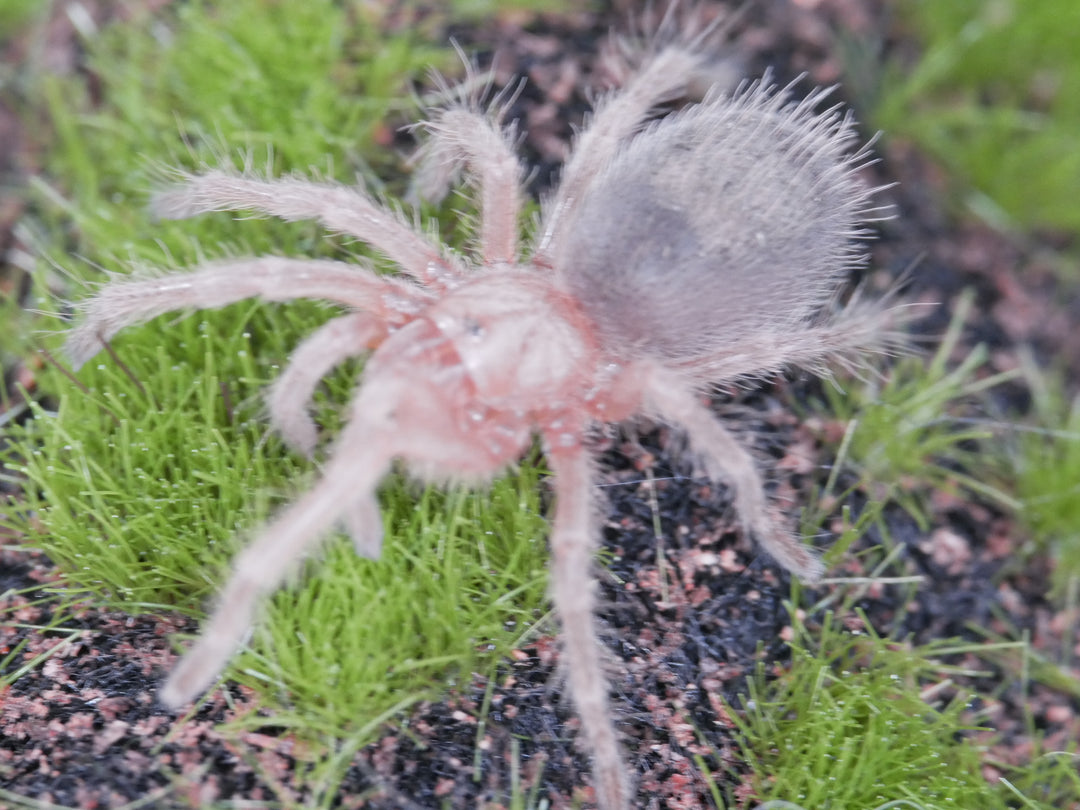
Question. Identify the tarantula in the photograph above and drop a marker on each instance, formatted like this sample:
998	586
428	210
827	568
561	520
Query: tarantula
675	254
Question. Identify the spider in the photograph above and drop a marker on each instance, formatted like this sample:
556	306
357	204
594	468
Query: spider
675	254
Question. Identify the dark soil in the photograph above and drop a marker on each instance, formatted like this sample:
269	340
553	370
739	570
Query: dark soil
685	628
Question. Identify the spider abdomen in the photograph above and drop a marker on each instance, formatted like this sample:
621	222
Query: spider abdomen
733	218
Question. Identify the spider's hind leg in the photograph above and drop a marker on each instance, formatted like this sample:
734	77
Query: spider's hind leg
618	116
725	459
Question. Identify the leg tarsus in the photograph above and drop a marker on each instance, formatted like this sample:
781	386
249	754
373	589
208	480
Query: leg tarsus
363	523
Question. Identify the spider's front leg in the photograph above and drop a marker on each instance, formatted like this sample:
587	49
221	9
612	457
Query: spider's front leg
339	208
332	344
463	135
360	460
573	587
126	302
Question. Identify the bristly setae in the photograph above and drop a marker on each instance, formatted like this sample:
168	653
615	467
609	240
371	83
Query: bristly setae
675	254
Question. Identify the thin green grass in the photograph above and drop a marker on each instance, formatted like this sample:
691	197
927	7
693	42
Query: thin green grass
993	98
861	722
902	429
12	324
462	577
1048	478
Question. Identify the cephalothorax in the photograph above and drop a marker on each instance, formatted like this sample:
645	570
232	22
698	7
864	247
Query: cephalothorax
674	255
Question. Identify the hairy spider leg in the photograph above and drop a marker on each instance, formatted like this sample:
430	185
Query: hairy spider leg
675	401
360	460
616	117
574	539
272	278
362	521
329	346
461	134
860	328
339	208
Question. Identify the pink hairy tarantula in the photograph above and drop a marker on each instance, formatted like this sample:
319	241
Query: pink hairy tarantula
675	254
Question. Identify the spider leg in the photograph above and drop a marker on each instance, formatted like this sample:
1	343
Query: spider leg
363	523
359	462
725	459
329	346
339	208
616	118
573	544
860	329
460	135
273	278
